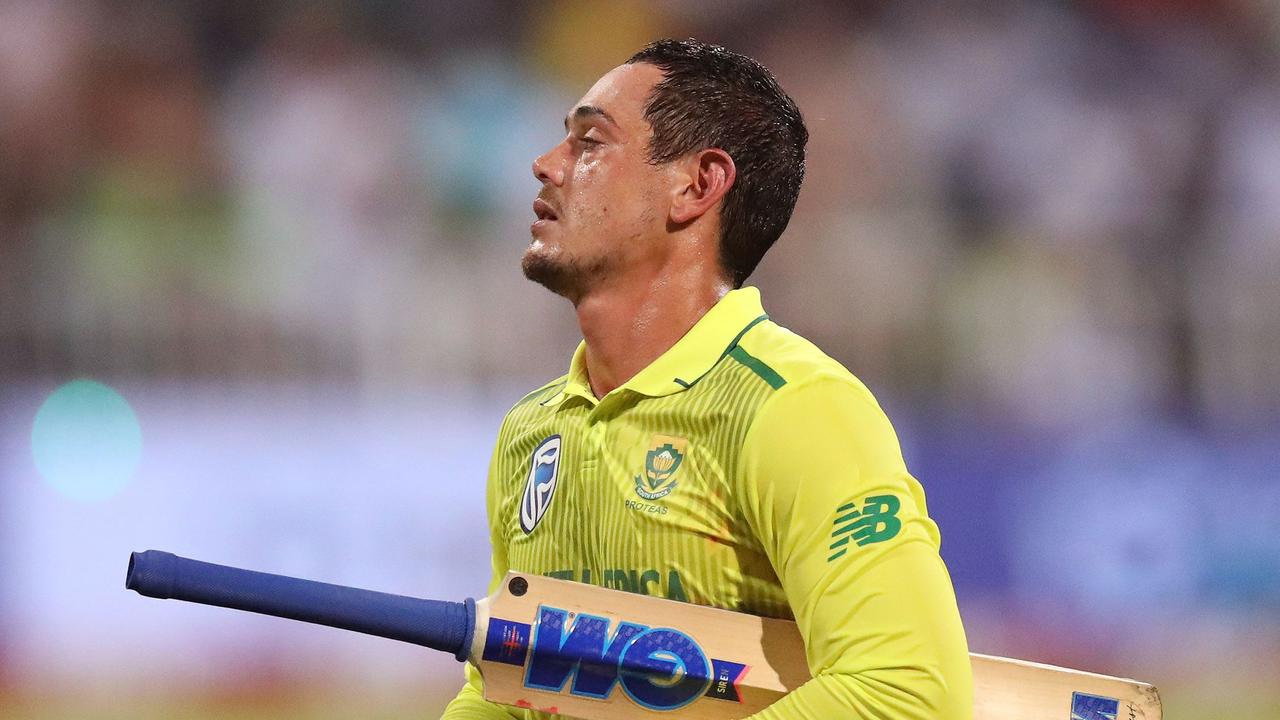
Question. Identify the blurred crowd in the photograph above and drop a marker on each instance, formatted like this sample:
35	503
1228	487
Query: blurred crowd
1052	212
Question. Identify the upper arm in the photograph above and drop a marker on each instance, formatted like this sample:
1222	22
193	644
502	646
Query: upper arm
827	494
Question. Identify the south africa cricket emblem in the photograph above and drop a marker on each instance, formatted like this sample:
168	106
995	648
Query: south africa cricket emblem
665	456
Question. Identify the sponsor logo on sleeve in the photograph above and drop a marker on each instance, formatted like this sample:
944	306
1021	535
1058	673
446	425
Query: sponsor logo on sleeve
876	521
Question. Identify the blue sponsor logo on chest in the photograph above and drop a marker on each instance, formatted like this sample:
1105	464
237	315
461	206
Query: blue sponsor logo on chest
658	668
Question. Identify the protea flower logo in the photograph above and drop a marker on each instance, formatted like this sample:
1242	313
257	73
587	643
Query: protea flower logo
539	488
660	465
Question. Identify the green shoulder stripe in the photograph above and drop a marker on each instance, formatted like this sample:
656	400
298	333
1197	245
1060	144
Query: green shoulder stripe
757	366
732	344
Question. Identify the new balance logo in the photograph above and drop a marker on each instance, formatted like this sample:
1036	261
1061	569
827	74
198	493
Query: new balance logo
875	522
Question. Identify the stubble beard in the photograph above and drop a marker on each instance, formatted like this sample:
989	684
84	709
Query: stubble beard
563	274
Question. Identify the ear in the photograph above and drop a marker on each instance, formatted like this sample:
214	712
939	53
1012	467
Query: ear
706	177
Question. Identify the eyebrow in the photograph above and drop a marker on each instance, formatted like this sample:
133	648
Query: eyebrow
585	111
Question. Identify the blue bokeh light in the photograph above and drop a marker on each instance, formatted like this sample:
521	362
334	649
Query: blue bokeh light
86	441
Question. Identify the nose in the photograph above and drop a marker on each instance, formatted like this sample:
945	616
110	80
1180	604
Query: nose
547	169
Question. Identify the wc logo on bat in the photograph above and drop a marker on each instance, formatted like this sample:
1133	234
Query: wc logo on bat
658	668
540	487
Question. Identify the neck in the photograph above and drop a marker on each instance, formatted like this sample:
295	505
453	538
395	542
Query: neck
633	321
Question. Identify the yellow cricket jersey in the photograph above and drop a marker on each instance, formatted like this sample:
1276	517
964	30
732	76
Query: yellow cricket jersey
747	470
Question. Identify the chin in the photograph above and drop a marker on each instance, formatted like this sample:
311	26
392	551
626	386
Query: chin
544	266
539	253
561	273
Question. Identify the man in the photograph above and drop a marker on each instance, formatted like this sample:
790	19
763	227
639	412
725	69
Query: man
696	450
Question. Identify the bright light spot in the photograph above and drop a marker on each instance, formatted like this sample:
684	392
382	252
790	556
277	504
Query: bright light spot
86	441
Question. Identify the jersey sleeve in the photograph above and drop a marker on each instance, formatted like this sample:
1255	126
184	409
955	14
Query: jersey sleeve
469	704
826	491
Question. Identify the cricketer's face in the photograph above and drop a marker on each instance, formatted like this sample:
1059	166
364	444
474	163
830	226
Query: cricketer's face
600	210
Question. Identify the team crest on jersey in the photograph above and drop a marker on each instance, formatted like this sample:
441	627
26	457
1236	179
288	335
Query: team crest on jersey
664	458
540	487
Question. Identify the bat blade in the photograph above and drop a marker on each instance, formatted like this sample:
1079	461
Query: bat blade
585	651
1006	689
591	652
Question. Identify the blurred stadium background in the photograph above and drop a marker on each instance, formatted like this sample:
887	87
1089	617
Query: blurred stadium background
260	304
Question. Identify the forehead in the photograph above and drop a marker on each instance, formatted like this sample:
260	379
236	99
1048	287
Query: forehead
622	93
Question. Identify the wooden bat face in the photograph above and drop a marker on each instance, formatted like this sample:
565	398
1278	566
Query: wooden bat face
564	647
1005	689
590	652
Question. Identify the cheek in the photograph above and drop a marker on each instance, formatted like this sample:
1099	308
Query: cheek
609	190
590	171
594	188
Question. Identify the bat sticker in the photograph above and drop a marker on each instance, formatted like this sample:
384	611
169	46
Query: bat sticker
1093	707
659	668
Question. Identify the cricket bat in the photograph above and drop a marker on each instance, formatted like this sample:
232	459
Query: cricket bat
589	652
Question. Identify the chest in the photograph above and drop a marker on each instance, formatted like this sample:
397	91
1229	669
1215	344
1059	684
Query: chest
623	500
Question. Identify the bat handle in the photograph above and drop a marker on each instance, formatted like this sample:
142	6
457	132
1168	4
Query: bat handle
437	624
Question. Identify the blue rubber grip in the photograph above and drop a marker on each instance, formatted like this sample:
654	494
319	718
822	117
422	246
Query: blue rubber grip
437	624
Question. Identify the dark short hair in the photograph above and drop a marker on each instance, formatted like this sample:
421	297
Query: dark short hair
710	97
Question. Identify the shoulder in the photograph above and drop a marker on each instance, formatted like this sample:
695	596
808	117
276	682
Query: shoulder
821	413
533	405
523	427
794	366
541	394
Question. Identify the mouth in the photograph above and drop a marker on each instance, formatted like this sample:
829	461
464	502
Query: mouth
544	211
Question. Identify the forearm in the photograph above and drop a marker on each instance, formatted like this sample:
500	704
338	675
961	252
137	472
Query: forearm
471	705
896	650
890	694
